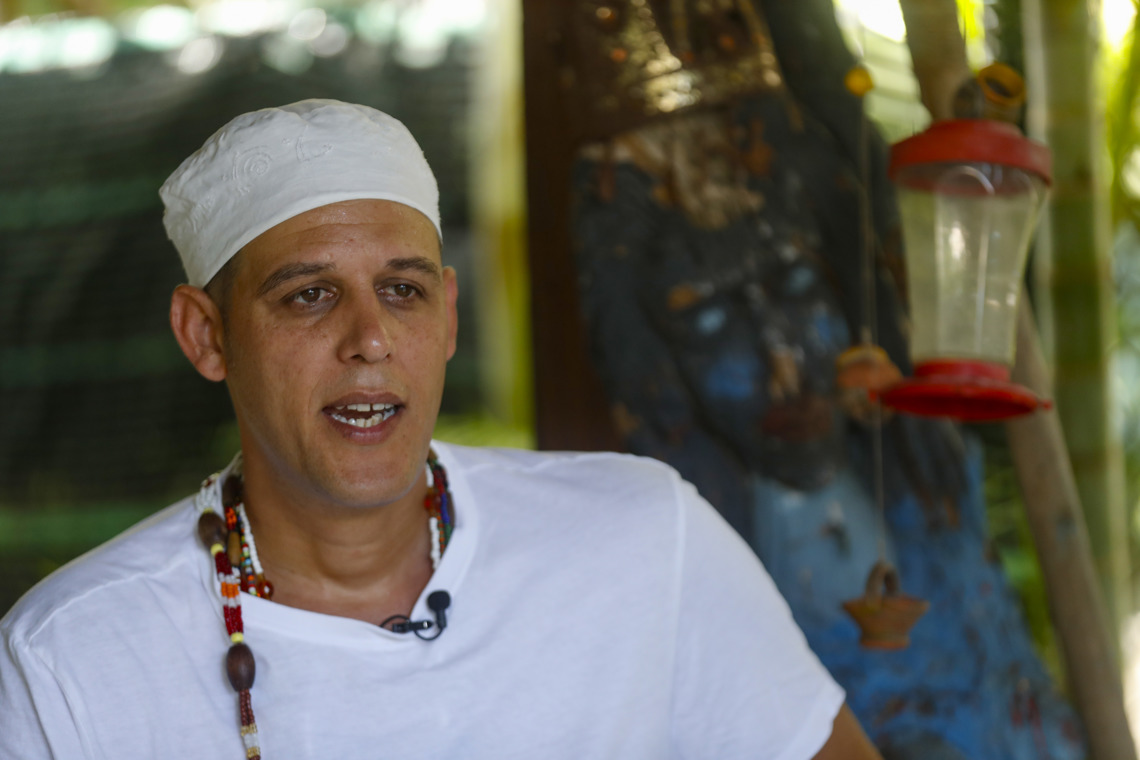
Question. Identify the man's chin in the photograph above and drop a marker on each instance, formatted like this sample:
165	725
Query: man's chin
369	487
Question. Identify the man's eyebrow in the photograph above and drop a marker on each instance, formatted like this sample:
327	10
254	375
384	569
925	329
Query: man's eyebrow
288	272
418	263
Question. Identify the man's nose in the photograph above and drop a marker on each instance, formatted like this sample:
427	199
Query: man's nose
366	335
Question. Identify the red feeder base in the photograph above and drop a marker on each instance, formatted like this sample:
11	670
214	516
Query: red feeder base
971	391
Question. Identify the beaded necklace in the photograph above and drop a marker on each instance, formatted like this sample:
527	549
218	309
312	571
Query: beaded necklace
230	542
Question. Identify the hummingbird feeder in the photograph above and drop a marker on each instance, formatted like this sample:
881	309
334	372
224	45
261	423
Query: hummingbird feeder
969	193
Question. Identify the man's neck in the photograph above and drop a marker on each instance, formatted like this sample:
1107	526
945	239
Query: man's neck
367	563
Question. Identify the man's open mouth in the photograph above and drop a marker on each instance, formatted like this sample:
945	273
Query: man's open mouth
362	415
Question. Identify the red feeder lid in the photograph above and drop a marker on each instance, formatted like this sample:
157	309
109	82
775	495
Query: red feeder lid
972	141
968	391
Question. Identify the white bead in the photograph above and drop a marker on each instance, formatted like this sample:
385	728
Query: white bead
253	558
433	534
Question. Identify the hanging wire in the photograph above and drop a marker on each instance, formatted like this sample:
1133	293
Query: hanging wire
869	329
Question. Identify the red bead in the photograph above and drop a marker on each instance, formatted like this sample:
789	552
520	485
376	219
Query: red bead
246	708
232	617
222	563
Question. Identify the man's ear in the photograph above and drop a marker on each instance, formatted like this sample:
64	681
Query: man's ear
198	328
451	293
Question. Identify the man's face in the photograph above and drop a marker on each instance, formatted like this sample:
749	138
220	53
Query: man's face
340	324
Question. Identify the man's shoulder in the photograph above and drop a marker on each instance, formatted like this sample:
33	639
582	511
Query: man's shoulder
606	488
583	468
148	550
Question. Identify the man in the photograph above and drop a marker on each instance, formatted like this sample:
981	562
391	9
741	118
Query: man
492	604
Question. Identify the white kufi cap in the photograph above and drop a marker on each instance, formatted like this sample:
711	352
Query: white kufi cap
268	166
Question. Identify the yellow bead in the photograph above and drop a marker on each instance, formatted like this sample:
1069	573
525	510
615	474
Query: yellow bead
858	81
216	549
237	638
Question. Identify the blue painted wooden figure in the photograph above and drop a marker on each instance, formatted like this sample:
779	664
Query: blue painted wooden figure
720	275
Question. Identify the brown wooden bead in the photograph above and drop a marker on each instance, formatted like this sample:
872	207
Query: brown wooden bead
231	491
240	667
211	529
233	547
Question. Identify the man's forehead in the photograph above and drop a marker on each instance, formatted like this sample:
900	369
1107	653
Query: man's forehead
394	228
384	235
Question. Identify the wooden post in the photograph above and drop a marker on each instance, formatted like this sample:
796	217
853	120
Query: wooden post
1056	521
570	408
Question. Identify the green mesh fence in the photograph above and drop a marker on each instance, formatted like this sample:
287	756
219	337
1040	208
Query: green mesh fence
102	420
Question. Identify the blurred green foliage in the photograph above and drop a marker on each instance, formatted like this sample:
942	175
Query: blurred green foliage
1120	79
1012	542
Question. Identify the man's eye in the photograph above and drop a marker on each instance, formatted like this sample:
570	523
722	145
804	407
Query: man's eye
402	290
309	295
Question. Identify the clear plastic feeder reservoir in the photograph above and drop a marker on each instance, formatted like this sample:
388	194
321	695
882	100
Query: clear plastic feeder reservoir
969	193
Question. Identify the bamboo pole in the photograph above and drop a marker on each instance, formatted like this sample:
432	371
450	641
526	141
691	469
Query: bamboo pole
1055	518
940	63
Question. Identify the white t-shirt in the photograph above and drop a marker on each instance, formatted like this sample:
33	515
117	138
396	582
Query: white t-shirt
600	609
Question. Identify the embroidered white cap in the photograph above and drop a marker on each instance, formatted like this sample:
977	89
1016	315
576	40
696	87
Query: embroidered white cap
270	165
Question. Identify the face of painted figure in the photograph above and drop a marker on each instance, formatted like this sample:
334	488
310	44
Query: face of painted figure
754	329
338	328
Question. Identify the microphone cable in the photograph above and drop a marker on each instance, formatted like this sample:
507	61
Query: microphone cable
438	602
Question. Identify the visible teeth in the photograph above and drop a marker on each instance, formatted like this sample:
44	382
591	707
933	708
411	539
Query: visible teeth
385	411
365	407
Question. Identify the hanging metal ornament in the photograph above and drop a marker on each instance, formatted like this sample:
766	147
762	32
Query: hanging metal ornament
862	372
884	615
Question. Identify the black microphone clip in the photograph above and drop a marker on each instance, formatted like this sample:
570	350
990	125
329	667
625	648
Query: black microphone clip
437	602
408	626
